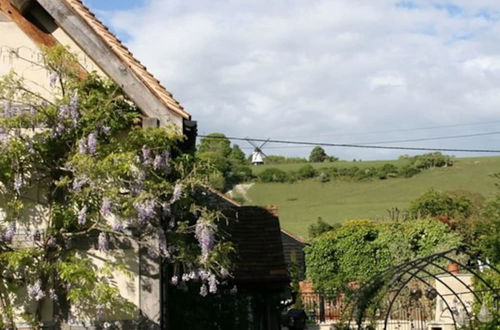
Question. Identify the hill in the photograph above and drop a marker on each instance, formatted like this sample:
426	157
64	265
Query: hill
301	203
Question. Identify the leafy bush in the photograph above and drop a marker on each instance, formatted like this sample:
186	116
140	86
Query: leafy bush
272	175
387	171
320	227
434	203
275	159
430	160
306	172
408	171
240	174
361	248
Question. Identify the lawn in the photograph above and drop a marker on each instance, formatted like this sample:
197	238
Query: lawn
301	203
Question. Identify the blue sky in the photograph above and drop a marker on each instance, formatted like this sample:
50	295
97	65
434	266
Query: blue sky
339	71
114	5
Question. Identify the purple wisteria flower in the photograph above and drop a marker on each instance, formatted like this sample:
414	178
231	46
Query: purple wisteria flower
8	110
82	216
174	280
82	147
185	277
53	79
158	162
102	242
193	275
59	129
166	209
152	253
234	290
106	130
18	182
212	284
224	272
92	143
146	155
99	312
205	235
73	108
52	294
10	232
35	291
203	274
145	210
78	184
162	242
176	195
106	207
117	225
63	112
52	242
203	290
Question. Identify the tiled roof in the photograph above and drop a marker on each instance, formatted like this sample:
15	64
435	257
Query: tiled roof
127	58
257	239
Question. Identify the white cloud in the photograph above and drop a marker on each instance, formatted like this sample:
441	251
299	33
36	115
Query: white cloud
325	70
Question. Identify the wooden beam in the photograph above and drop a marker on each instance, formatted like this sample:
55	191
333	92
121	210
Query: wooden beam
22	5
102	54
38	36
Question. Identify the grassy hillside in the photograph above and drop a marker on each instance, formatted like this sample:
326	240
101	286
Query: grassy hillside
303	202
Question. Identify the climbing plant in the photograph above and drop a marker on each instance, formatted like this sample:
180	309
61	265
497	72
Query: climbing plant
75	166
353	253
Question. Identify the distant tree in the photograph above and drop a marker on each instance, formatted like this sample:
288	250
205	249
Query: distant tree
306	172
229	162
237	156
318	155
435	203
216	148
215	142
272	175
320	227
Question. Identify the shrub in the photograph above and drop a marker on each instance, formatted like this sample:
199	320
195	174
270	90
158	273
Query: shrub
361	248
306	172
387	171
434	203
240	174
273	175
320	227
408	171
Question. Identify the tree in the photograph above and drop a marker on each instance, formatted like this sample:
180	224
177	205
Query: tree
359	249
318	155
215	142
316	229
75	168
237	156
434	203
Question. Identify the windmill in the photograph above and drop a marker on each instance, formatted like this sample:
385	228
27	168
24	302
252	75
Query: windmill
257	155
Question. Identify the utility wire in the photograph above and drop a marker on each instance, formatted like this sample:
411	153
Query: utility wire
347	145
410	129
433	138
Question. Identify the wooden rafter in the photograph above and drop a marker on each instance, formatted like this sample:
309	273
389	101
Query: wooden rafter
38	36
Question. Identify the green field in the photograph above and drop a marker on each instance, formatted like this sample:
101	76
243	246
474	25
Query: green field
301	203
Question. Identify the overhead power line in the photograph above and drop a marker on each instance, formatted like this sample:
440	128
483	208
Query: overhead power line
409	129
433	138
348	145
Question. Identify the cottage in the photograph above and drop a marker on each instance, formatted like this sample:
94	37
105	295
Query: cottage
27	27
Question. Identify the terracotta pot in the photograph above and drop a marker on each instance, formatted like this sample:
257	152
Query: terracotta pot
453	268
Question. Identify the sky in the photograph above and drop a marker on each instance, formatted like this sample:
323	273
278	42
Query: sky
343	71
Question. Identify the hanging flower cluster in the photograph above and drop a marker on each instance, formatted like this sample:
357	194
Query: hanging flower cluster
99	179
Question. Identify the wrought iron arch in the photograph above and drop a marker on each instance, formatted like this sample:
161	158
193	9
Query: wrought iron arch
395	279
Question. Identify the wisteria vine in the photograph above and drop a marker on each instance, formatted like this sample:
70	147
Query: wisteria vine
75	166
